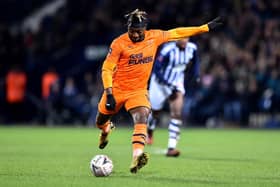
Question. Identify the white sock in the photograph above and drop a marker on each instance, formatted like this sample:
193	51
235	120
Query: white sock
174	132
137	152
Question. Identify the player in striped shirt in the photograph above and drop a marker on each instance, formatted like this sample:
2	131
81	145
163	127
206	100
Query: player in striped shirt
167	83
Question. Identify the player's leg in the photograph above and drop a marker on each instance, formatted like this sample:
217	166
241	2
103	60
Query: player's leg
103	119
105	125
139	158
138	106
152	123
175	123
158	94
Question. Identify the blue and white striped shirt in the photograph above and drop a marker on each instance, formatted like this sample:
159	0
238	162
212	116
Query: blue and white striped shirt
171	62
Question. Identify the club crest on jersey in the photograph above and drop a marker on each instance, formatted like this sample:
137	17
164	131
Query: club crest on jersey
139	59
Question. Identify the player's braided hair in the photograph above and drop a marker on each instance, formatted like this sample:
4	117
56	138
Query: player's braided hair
137	18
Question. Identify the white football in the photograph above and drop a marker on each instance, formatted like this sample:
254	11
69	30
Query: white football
101	166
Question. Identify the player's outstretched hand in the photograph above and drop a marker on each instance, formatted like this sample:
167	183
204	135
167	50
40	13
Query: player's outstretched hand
110	102
215	23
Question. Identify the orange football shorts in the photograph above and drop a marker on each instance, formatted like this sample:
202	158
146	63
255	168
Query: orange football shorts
128	99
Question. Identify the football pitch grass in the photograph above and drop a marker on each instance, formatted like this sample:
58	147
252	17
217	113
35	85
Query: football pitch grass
57	157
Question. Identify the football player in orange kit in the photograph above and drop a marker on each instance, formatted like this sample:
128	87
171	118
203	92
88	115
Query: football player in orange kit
125	74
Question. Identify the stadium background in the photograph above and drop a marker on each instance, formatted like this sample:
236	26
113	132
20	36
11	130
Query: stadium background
240	73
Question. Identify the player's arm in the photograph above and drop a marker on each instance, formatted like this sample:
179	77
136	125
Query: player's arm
107	78
159	63
193	71
109	66
107	75
196	64
108	69
183	32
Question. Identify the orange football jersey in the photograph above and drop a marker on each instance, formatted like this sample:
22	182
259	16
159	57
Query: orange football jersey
134	61
128	65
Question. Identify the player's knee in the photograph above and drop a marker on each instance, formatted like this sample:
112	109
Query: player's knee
140	117
140	114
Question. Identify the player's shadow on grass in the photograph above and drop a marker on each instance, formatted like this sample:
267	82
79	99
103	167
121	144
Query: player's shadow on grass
150	178
221	159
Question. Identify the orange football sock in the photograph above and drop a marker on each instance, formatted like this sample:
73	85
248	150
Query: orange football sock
139	138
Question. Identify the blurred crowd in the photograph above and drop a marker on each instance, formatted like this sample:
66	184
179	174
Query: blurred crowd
240	64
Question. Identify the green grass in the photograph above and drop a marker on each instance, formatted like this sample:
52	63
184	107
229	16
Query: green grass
38	157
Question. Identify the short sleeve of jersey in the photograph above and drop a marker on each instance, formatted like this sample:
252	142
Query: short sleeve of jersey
114	51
